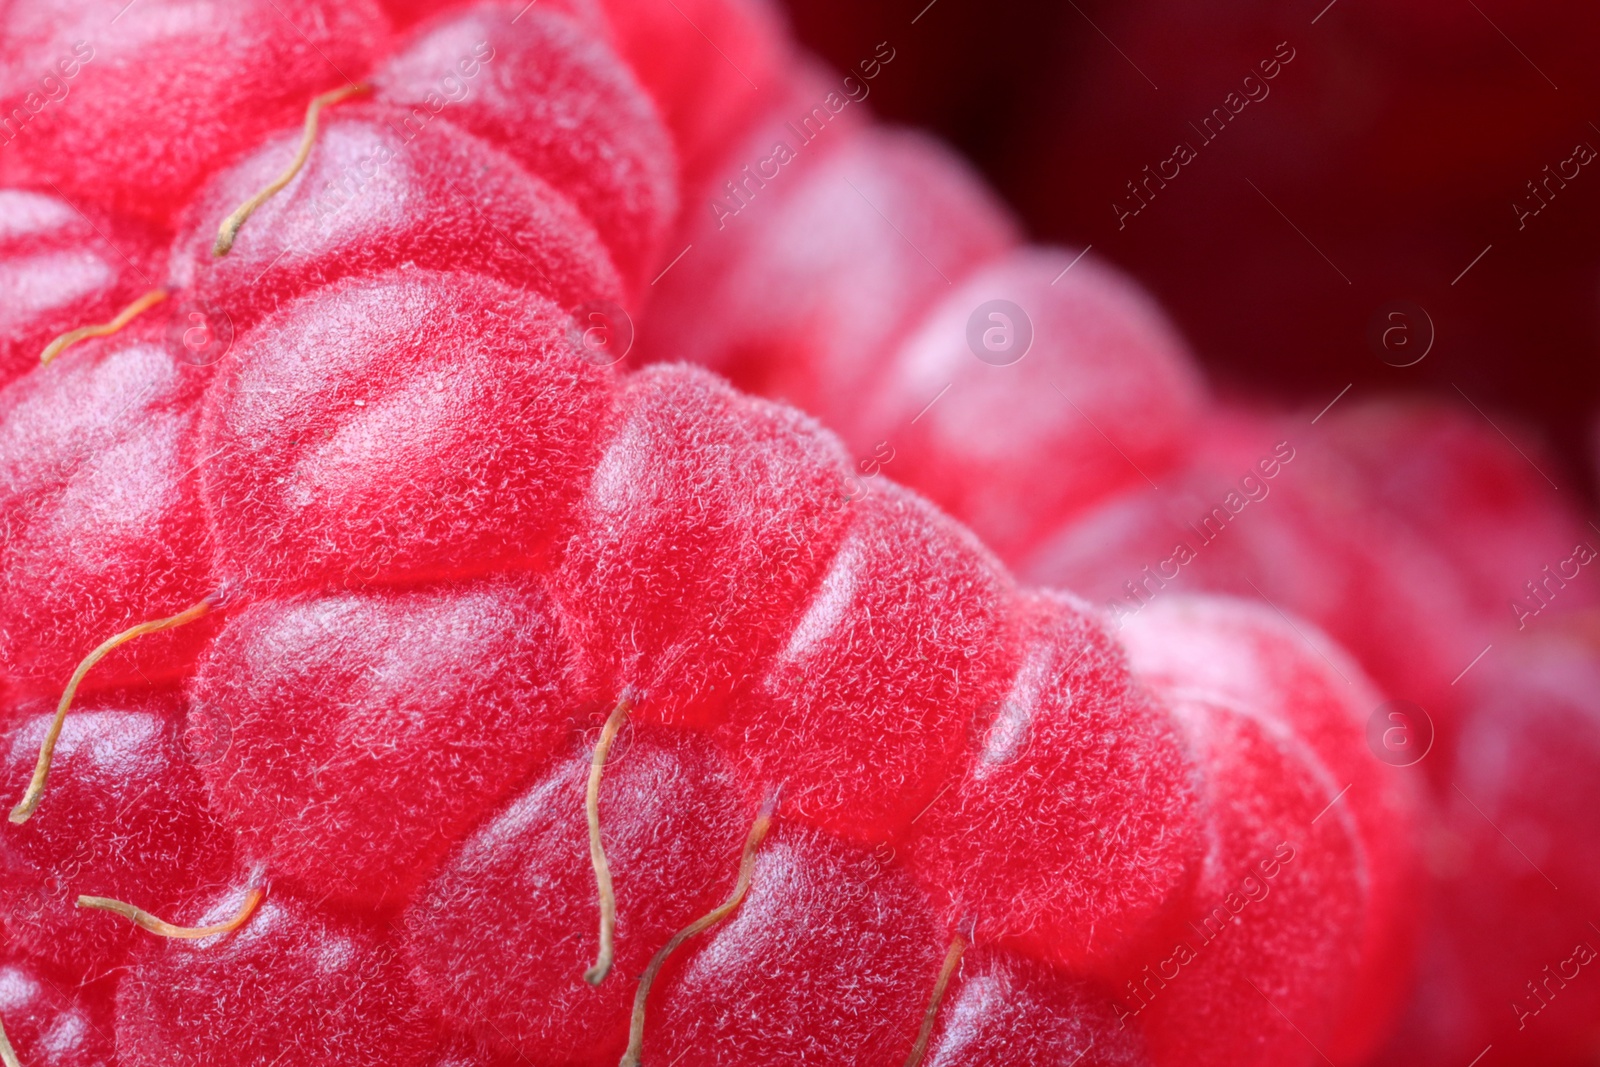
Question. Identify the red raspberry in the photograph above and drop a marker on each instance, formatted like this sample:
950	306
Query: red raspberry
709	64
438	536
824	924
119	760
143	116
337	708
97	460
61	270
53	1023
866	708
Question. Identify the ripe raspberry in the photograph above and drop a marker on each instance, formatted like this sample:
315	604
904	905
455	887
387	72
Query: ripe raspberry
50	1021
1009	1012
102	526
61	271
1264	964
437	538
1515	861
126	819
336	708
144	116
447	438
865	709
710	65
1243	655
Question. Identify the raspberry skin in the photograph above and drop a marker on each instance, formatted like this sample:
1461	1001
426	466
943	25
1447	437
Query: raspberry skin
97	454
438	542
371	200
339	707
145	117
61	269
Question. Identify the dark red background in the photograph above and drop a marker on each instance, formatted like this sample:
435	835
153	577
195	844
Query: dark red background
1396	140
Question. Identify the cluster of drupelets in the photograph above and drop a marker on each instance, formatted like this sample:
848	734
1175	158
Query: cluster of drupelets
1429	540
467	701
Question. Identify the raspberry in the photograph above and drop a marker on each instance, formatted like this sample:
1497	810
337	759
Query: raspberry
424	539
119	761
500	937
145	118
336	707
709	64
557	100
1242	654
1515	861
102	527
52	1024
61	270
1261	510
1276	895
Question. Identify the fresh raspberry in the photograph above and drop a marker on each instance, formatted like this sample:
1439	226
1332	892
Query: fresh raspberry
61	270
119	761
1264	963
144	114
97	456
824	924
50	1021
557	100
865	709
369	200
1244	655
436	538
336	708
710	65
1262	508
1516	861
